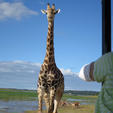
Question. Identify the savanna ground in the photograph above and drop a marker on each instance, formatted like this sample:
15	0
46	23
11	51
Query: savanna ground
81	109
27	100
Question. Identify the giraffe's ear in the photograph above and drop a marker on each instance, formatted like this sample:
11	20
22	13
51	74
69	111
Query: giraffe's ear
44	11
57	11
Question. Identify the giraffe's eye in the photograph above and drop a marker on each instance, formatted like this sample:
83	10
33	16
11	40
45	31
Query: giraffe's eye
51	12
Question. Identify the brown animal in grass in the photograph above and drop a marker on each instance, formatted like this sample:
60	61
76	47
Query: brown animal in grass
64	103
75	104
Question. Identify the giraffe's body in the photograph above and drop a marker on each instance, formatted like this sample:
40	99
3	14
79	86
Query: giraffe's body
51	80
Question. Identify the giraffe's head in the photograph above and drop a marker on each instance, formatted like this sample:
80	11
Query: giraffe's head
50	12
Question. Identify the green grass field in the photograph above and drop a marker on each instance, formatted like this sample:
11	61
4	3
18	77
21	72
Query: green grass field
30	95
81	109
66	96
14	94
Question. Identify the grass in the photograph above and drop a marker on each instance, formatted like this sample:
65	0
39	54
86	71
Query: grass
66	96
14	94
81	109
21	95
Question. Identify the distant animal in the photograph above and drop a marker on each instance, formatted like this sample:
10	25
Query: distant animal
51	80
64	103
75	104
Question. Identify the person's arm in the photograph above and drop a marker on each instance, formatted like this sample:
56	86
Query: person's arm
97	71
86	72
103	67
91	71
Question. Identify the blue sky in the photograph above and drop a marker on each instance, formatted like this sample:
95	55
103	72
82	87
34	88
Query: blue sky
23	31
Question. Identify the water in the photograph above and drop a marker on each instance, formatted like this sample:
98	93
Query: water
17	106
20	106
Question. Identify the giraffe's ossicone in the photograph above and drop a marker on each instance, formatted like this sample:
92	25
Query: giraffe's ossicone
51	80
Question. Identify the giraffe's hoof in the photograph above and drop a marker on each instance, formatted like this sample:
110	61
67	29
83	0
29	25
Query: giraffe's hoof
50	111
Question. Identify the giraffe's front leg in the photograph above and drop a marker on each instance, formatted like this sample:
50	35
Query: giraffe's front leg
52	97
40	97
56	103
46	98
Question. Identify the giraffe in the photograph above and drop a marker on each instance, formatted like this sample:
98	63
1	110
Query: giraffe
51	80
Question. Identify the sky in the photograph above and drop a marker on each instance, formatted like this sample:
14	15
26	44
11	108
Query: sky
77	38
24	75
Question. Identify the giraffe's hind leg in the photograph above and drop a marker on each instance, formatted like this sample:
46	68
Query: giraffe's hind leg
40	98
58	97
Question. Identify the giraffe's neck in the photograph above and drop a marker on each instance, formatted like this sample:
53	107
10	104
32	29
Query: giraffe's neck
49	58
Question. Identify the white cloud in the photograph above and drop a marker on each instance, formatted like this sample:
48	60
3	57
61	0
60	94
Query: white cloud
19	66
15	10
24	75
67	72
